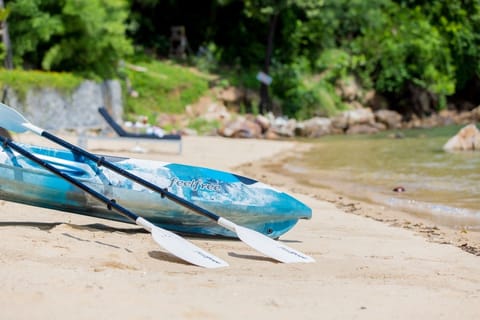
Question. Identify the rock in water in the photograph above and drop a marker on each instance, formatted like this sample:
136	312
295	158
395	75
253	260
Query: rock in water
468	138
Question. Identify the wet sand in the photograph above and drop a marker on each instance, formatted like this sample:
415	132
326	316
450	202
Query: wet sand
275	171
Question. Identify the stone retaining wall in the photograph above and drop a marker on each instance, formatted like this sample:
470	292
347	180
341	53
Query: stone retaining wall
53	110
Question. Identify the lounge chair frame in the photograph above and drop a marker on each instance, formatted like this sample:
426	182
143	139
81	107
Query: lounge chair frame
136	137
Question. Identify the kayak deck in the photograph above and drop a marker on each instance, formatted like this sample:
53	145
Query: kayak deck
242	200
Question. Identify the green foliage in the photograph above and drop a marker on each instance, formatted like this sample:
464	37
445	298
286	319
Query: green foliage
2	52
163	87
31	26
263	9
319	99
303	93
83	36
202	126
407	48
3	15
333	63
208	57
21	81
458	23
330	24
387	44
236	76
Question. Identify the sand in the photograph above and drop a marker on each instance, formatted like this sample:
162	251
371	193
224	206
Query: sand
57	265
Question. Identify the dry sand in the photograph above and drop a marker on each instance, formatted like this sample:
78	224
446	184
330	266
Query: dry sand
57	265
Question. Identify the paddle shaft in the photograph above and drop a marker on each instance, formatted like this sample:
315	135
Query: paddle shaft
109	202
14	121
100	161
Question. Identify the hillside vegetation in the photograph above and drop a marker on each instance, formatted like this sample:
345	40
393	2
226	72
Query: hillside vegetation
20	80
418	56
150	87
161	86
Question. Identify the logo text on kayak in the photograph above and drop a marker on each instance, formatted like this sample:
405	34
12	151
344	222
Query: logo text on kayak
195	185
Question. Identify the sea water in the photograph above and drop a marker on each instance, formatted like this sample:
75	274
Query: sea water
439	185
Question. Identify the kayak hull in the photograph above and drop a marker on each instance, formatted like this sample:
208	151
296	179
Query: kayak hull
242	200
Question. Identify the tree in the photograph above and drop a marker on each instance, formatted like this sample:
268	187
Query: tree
7	48
394	48
83	36
458	23
266	10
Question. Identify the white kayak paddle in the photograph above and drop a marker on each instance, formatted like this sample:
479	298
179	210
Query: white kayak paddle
14	121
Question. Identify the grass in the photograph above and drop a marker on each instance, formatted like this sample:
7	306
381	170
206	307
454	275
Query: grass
202	126
162	87
21	81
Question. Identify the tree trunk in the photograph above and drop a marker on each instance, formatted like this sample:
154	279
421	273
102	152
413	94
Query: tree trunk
6	41
265	103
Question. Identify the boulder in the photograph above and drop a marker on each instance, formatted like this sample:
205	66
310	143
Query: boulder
375	100
340	122
216	112
464	117
350	90
284	127
263	122
414	122
476	114
362	129
241	128
432	121
392	119
270	135
230	95
447	116
468	138
315	127
380	126
170	121
355	105
360	116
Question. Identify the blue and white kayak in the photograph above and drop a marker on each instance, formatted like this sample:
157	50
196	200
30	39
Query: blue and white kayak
244	201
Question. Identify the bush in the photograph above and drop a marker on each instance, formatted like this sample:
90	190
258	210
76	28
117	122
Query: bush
406	49
305	94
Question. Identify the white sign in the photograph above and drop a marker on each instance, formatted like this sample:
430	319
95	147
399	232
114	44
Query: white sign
264	78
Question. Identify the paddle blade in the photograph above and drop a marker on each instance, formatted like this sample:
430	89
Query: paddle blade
11	120
270	247
185	250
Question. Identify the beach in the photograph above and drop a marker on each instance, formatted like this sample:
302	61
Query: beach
371	263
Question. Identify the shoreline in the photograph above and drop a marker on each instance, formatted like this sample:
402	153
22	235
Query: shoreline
64	265
275	174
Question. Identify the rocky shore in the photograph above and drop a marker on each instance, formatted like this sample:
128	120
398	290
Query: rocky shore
366	118
220	110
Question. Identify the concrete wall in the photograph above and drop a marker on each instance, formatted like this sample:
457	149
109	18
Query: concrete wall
54	110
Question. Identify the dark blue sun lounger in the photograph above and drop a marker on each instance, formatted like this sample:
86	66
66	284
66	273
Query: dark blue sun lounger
125	134
122	133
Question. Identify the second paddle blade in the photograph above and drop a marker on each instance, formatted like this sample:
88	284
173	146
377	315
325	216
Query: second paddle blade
270	247
185	250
